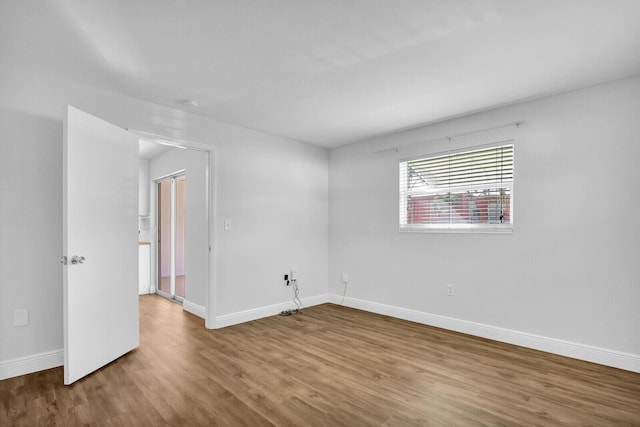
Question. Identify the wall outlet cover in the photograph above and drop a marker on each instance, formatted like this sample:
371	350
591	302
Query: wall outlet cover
21	317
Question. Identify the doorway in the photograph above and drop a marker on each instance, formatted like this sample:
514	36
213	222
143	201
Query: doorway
163	158
170	214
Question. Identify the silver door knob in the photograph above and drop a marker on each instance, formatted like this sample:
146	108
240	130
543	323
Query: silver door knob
77	259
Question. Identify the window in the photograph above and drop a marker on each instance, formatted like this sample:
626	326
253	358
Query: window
467	191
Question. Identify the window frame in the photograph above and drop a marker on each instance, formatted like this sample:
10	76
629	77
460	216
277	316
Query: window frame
449	228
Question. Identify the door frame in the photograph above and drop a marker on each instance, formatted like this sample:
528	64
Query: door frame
211	194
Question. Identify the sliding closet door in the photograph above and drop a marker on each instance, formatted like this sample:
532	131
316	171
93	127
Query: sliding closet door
164	238
171	237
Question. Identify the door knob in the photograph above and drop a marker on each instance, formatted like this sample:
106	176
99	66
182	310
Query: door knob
77	259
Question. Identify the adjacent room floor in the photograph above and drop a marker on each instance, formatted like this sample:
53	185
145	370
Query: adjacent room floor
328	366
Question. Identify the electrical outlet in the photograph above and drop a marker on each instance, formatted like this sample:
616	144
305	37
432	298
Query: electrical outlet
345	278
293	274
450	290
21	317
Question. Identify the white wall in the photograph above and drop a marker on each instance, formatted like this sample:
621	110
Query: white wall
569	271
30	232
274	191
143	187
194	163
284	223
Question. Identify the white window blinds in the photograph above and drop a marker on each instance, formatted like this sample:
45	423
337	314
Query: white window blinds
459	191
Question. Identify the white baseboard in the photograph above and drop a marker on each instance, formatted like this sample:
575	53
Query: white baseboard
31	363
603	356
630	362
194	308
266	311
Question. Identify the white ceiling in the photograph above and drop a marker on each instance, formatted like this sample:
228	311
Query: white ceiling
328	72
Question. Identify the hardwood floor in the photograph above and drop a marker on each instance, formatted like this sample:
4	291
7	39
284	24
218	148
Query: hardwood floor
328	366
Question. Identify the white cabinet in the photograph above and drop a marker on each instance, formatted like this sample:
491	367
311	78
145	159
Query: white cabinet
144	262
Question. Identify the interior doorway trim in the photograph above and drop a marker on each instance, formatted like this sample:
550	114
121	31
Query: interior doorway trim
211	193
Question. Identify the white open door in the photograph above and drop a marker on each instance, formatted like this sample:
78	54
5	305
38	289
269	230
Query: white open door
100	243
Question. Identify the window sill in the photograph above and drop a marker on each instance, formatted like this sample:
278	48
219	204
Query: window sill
457	230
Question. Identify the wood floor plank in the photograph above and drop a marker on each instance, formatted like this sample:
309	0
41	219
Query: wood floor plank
328	366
